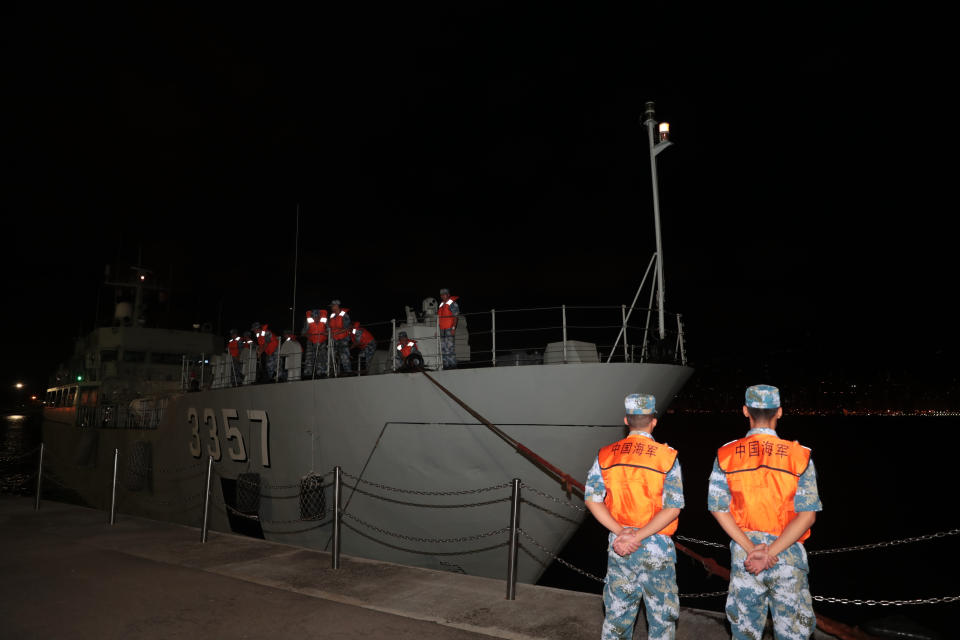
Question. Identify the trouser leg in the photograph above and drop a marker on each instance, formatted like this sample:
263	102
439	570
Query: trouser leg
747	603
791	604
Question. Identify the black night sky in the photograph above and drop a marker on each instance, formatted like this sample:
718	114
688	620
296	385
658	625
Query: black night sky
496	150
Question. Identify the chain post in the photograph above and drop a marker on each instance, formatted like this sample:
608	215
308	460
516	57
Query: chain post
513	545
335	559
206	501
36	503
113	488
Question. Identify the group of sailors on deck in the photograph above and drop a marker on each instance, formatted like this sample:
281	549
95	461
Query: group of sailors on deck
309	356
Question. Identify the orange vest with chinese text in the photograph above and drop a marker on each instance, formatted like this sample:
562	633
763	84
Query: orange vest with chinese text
634	470
763	473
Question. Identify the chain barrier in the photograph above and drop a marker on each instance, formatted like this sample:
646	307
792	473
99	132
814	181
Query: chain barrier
478	536
545	510
47	476
426	553
461	492
890	543
706	542
543	494
886	603
424	504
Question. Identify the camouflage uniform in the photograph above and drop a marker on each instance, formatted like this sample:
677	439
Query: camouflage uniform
448	347
341	347
783	588
649	573
366	356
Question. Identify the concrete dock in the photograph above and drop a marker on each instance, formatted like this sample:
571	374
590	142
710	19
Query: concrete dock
67	573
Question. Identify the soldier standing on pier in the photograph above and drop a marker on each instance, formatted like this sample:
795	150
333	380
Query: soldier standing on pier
635	489
763	492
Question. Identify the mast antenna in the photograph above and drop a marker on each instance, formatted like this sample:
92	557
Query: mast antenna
296	254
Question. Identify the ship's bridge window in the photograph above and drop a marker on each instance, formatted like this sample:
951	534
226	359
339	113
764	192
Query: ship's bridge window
134	356
108	356
166	358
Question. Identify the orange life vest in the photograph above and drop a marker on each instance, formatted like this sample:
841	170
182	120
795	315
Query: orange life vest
268	345
361	337
447	319
233	346
336	325
317	330
634	470
406	347
763	472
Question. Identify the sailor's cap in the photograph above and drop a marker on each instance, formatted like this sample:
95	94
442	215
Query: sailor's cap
334	302
444	291
402	334
762	396
254	326
640	404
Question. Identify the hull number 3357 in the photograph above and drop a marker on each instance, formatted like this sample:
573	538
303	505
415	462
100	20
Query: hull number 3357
206	421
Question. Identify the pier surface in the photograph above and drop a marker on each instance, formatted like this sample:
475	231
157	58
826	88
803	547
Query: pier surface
69	574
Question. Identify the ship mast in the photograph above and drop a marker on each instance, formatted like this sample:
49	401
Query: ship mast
658	139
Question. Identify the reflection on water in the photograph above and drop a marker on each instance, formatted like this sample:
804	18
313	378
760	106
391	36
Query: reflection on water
19	441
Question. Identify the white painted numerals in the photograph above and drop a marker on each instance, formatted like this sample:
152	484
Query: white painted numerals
233	436
194	432
213	448
233	433
259	414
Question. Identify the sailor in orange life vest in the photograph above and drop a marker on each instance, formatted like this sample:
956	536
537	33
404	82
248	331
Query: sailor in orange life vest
763	492
315	355
236	366
407	347
267	345
340	332
366	343
635	489
448	316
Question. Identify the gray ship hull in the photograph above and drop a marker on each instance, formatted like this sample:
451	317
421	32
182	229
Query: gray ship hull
396	436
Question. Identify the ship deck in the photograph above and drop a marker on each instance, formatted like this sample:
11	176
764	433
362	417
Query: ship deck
149	579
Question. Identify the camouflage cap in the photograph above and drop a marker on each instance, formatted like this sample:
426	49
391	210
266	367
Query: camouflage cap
254	326
334	302
402	334
762	396
640	404
444	291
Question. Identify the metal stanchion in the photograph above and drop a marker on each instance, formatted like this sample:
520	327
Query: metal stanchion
564	312
336	518
36	503
513	546
206	501
113	489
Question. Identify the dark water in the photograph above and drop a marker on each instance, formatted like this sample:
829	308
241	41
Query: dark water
880	479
